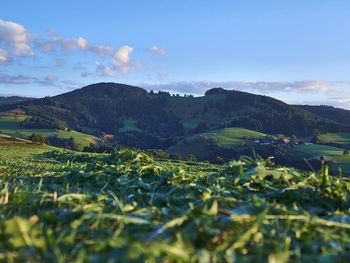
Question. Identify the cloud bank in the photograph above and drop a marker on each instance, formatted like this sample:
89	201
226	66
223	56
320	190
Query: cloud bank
16	42
333	92
15	37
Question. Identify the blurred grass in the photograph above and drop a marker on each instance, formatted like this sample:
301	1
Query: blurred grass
64	206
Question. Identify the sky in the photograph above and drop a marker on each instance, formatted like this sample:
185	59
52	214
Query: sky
295	50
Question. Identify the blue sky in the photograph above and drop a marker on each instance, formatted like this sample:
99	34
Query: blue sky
297	51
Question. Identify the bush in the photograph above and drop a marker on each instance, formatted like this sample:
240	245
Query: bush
191	158
37	138
67	143
219	160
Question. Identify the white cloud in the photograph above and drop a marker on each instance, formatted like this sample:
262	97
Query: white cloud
156	50
121	56
265	87
82	42
121	63
67	45
48	81
335	93
15	79
47	47
15	36
100	50
15	42
3	57
51	78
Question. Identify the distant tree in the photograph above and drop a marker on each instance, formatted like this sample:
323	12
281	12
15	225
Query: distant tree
293	140
316	132
219	160
67	143
37	138
346	152
175	156
315	139
201	127
191	158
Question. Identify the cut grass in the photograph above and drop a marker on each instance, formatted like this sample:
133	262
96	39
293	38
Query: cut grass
127	207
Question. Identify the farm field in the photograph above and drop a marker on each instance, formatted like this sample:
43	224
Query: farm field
315	151
129	125
63	206
10	125
226	138
339	139
231	137
7	139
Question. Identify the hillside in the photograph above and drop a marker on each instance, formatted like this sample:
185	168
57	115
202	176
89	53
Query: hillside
144	119
209	145
331	113
11	124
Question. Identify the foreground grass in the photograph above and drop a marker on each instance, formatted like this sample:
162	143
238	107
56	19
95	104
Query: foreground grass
128	207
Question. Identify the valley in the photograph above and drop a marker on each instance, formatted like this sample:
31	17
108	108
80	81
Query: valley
218	127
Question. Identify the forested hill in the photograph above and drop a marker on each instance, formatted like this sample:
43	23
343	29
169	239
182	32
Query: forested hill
329	112
123	109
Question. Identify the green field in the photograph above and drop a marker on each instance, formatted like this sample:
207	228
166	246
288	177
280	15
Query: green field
227	138
9	122
11	125
340	139
62	206
315	151
232	137
7	139
129	125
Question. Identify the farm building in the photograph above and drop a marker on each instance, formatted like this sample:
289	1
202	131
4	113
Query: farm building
107	136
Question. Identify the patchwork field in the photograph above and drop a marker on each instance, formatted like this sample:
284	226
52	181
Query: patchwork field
61	206
226	138
231	137
11	125
315	151
339	139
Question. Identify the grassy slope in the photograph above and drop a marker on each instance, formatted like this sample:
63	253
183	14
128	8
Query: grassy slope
7	139
65	206
229	137
315	151
129	125
341	139
10	125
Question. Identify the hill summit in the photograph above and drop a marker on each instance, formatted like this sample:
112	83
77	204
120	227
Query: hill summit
158	119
